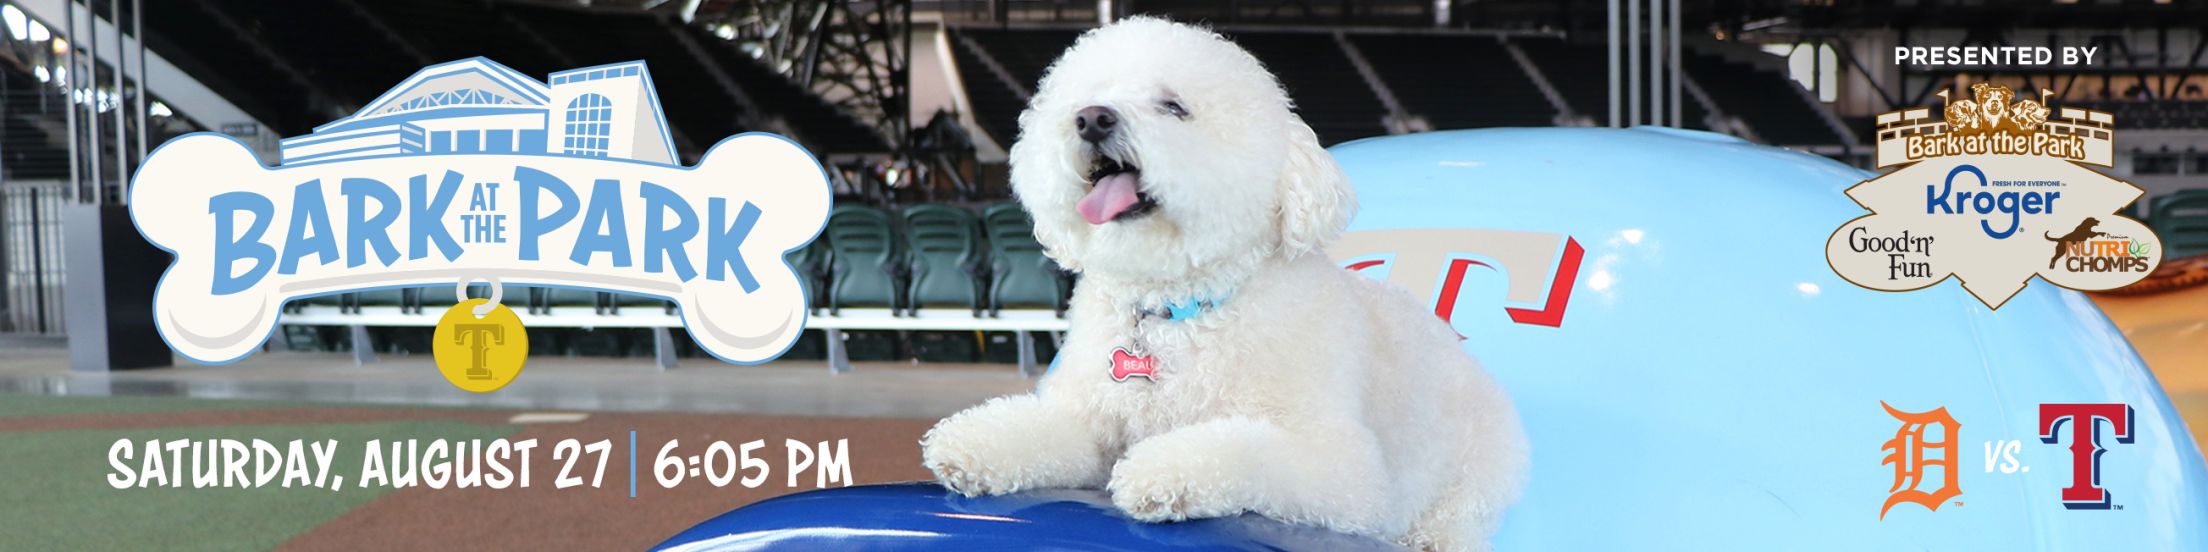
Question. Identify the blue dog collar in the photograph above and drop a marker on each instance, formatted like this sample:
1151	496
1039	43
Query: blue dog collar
1185	309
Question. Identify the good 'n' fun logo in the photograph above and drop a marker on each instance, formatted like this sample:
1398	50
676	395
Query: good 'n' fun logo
472	172
1994	193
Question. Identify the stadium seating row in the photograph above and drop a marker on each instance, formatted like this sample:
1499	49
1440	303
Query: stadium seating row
26	145
534	300
2153	114
932	255
1769	102
1459	90
318	73
1581	74
2181	220
1478	84
1024	54
1339	106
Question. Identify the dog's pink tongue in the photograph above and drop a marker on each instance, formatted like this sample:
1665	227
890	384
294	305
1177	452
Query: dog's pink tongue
1111	196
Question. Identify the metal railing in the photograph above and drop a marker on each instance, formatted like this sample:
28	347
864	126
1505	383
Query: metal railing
31	267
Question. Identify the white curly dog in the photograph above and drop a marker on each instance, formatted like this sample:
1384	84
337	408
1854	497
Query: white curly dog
1218	362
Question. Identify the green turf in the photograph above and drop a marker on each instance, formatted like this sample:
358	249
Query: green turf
54	492
46	405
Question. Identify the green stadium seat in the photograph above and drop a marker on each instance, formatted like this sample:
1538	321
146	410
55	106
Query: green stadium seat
2148	206
864	269
2181	219
1023	276
564	299
331	339
521	298
402	340
946	265
435	299
391	297
330	300
2136	210
428	298
1007	216
620	300
811	264
946	257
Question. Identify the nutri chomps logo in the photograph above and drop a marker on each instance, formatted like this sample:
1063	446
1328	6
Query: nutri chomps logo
2088	249
1994	193
471	171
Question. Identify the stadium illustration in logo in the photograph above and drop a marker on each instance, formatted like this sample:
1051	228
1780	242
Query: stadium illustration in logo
478	106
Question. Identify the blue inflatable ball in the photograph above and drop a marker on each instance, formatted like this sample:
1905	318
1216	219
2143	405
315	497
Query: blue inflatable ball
925	516
1691	372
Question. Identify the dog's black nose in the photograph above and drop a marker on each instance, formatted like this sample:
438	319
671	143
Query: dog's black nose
1095	123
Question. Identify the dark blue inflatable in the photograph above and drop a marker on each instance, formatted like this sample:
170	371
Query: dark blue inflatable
925	516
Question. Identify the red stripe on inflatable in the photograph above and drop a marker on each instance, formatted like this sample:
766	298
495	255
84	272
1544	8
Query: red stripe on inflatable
1449	286
1560	290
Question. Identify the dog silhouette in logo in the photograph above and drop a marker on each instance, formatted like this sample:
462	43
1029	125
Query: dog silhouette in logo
1993	103
1992	107
2028	114
2062	244
1961	114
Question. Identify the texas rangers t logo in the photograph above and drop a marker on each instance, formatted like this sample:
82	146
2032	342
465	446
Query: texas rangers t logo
1906	452
2085	491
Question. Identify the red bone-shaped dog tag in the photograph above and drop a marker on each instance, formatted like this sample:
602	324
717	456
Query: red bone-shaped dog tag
1125	365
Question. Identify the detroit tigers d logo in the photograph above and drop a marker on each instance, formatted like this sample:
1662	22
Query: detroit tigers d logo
1906	452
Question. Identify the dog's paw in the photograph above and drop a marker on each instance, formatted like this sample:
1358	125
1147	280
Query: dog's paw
955	476
1164	487
957	457
1008	445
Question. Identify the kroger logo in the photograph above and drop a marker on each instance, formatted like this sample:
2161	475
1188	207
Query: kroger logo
1942	199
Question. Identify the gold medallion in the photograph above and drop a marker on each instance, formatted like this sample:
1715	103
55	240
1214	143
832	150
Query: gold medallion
480	354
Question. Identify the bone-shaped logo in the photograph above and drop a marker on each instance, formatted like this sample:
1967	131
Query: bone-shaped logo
248	237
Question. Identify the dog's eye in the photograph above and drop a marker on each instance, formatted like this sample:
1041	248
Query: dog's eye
1174	108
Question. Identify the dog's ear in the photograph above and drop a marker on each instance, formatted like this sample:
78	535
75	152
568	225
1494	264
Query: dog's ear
1060	239
1039	185
1316	201
1059	232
